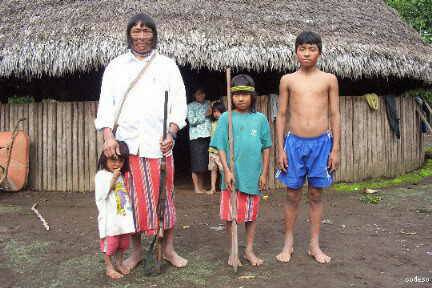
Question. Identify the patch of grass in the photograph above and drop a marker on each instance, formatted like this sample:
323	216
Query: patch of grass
409	178
370	199
428	152
79	271
424	211
195	274
20	99
4	209
25	257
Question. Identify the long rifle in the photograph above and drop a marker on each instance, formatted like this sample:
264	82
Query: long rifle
162	191
234	236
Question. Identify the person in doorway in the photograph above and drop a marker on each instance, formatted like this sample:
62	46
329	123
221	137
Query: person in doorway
218	108
198	116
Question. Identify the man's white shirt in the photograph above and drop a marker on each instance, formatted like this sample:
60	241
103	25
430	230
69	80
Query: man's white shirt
141	119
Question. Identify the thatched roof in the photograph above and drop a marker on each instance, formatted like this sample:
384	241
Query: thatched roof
362	38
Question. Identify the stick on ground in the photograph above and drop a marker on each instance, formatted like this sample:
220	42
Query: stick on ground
42	219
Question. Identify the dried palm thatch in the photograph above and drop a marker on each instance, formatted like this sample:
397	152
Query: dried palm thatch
362	38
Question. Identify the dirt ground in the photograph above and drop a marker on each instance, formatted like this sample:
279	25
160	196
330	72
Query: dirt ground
373	245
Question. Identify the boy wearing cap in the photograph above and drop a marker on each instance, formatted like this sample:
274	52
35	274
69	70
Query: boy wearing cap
311	147
252	142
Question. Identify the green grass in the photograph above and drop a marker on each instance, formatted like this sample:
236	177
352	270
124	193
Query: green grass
8	208
80	271
409	178
196	274
25	257
370	199
428	152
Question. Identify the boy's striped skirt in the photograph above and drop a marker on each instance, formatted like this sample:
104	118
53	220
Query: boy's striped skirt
247	206
143	182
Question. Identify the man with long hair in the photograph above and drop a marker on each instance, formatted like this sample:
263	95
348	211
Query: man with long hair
140	125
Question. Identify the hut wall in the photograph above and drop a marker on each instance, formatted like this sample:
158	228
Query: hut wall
65	145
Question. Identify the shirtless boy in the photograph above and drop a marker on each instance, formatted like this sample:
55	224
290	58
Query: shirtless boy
311	147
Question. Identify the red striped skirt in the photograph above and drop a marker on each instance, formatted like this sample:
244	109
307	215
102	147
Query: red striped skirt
247	206
143	181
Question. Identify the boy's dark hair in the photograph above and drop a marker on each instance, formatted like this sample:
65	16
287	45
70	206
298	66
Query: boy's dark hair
219	106
309	37
246	81
147	21
124	155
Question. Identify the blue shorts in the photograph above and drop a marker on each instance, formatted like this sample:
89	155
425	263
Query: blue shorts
307	157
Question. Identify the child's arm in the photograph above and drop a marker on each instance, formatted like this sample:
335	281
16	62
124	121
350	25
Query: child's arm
264	175
220	142
114	178
282	160
333	162
102	185
228	176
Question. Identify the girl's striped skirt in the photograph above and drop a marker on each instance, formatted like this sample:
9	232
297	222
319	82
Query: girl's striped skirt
247	206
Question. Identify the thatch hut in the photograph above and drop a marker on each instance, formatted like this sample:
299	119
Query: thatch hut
57	50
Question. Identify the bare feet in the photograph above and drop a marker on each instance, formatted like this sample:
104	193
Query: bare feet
199	191
210	192
113	274
175	259
123	269
253	259
231	261
133	260
319	256
285	255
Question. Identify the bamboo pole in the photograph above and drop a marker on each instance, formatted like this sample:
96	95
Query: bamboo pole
234	236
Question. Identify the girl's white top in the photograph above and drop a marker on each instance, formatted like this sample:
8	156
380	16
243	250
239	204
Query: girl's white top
114	206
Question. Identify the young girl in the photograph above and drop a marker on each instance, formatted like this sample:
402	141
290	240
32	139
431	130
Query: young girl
214	162
115	217
252	142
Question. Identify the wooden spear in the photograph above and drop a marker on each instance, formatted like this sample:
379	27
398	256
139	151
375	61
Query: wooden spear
234	236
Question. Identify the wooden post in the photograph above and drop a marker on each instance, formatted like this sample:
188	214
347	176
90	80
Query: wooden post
92	159
82	171
67	126
60	168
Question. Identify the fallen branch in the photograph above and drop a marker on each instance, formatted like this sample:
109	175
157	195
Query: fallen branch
42	219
